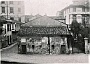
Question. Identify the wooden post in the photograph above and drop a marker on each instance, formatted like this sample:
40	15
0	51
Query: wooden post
66	44
49	44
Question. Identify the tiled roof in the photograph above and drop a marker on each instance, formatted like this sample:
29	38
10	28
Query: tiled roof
43	26
29	18
43	21
30	31
57	17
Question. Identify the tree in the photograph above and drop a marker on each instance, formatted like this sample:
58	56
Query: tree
75	28
1	24
1	30
80	31
2	21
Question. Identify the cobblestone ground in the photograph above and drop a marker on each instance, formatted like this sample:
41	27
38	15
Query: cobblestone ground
12	55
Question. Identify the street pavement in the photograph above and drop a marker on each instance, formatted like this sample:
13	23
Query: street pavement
13	56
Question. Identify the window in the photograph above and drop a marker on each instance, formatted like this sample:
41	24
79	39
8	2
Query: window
19	9
2	2
3	9
13	27
11	2
83	9
78	9
7	27
74	9
11	18
71	9
11	10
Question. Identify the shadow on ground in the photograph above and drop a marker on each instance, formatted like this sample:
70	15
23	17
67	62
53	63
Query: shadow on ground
7	62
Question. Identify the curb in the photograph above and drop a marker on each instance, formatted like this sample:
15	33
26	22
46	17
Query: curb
8	47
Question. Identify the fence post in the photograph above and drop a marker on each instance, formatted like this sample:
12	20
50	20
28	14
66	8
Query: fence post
86	45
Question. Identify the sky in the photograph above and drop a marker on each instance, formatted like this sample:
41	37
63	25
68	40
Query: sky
44	7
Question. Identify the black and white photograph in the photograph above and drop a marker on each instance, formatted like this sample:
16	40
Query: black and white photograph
44	31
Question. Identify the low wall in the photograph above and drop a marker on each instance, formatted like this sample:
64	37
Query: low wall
89	48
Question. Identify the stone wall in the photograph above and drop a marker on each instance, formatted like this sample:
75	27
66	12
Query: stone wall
39	47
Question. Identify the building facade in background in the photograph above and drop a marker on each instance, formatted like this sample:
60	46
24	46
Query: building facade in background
13	10
9	30
80	2
79	10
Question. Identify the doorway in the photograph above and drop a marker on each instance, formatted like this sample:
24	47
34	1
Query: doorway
63	49
24	49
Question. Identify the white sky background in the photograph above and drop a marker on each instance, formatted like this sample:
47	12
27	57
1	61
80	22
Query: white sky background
42	7
49	7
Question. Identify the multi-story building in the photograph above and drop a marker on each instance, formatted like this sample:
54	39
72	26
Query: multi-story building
80	2
13	10
8	31
79	10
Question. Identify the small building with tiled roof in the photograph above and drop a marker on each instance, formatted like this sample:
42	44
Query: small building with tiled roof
45	32
42	25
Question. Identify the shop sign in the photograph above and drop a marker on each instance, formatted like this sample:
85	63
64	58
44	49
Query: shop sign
23	39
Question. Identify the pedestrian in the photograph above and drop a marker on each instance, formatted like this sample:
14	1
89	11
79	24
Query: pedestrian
18	46
29	46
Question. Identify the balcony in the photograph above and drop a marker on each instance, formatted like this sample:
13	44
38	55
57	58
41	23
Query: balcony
79	13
